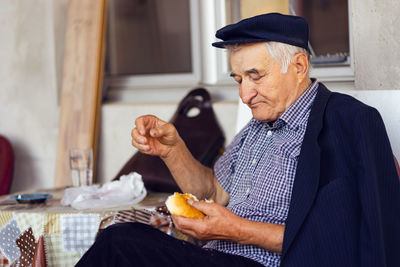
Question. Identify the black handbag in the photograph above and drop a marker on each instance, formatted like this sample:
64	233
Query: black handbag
201	133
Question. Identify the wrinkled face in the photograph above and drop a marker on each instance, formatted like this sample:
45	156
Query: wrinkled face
262	86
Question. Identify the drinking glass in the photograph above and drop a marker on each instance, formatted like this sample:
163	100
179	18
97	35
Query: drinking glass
81	163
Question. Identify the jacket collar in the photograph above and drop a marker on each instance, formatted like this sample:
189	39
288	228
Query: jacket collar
307	174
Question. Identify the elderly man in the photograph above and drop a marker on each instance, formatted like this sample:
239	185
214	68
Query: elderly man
310	181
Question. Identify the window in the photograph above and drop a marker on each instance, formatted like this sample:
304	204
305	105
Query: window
151	44
149	37
154	45
330	42
330	37
329	30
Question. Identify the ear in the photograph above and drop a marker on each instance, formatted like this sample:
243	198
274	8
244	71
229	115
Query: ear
301	64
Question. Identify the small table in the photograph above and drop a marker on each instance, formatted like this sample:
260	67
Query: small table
59	233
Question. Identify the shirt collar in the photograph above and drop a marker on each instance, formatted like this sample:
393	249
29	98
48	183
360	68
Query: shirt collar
294	114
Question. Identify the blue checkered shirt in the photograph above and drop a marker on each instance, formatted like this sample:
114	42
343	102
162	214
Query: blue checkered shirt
258	170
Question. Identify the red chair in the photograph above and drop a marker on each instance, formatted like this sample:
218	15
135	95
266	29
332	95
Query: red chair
397	166
6	165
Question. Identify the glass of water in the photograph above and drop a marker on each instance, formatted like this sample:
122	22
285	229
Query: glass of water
81	165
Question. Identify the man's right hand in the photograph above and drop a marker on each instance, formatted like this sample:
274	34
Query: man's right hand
153	136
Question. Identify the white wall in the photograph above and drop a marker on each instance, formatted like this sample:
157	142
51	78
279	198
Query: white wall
28	95
376	44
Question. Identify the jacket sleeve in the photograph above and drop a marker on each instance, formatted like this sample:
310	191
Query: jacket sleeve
379	191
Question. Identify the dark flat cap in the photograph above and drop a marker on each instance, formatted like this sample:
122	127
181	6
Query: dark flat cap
276	27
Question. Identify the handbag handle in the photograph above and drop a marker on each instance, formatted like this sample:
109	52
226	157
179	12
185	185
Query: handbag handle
199	98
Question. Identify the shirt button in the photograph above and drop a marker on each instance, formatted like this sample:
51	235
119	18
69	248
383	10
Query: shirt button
269	133
247	191
254	162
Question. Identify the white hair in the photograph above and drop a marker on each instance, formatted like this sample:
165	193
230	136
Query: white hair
280	52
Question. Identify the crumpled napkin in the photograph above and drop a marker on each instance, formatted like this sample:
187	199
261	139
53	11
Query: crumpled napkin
129	189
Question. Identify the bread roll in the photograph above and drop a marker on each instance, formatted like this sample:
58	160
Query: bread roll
177	205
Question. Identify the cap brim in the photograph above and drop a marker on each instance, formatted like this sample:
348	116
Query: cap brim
241	41
248	41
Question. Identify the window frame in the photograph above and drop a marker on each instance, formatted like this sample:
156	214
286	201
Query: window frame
210	65
173	79
338	73
322	73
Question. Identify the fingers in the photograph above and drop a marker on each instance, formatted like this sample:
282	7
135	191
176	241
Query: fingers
145	123
184	223
181	221
191	227
139	141
219	223
141	132
154	136
206	208
137	137
152	126
142	123
166	132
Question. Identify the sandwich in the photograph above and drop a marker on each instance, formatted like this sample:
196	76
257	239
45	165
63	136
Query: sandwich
177	205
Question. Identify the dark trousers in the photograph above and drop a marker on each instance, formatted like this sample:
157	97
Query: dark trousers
136	244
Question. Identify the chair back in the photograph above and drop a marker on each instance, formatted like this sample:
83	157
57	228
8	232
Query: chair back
397	166
6	165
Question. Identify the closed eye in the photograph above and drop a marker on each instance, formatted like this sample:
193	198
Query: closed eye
255	77
254	74
237	78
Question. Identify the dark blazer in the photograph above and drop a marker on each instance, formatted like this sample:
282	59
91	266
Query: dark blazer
345	206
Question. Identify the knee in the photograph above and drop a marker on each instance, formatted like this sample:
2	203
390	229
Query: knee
128	227
125	231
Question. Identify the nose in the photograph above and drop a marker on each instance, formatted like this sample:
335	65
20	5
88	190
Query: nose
247	91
